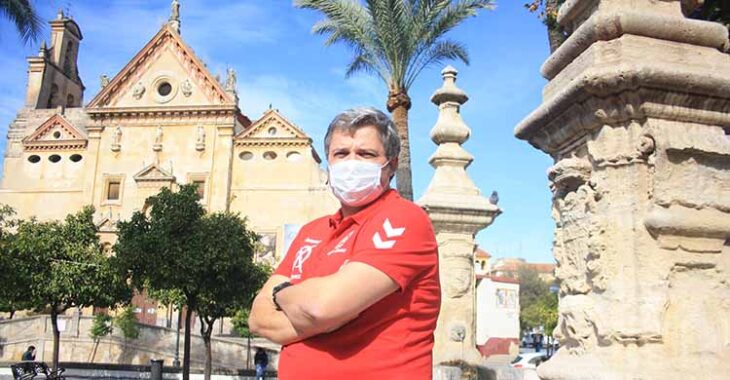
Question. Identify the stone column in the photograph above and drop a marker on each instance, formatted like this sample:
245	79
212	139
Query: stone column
458	211
637	118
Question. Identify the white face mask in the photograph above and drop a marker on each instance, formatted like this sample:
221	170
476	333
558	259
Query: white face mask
356	182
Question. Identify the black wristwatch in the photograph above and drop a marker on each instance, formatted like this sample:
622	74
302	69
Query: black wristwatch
277	289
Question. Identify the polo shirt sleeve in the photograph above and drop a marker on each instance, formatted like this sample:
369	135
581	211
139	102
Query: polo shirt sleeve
399	242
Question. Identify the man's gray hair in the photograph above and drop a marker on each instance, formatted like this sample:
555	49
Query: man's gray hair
352	119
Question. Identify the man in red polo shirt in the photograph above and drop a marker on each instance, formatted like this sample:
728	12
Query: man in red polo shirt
357	296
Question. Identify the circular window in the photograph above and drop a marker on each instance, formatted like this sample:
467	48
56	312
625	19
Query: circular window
245	156
57	135
54	158
293	156
272	131
34	159
76	157
164	89
269	155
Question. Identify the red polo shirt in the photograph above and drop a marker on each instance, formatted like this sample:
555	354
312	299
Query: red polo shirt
393	338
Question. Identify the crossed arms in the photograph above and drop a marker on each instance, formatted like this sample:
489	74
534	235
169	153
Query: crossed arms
317	305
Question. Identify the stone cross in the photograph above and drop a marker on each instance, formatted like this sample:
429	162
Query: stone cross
458	211
636	117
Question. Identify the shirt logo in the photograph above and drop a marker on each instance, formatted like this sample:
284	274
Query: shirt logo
302	255
390	233
340	247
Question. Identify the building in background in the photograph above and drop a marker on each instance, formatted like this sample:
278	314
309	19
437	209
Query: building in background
162	121
509	267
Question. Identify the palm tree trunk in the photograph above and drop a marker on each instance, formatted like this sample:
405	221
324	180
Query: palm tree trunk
398	104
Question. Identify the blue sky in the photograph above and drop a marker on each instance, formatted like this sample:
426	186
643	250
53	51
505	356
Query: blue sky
280	62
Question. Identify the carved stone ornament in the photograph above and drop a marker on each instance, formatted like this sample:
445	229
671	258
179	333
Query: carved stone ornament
158	140
117	139
138	90
457	332
186	87
200	138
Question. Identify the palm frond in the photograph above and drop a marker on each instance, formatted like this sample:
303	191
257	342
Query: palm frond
22	14
453	15
361	62
437	53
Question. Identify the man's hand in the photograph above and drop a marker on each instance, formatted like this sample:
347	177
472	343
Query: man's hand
266	321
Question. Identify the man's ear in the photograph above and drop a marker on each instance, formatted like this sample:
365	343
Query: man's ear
393	165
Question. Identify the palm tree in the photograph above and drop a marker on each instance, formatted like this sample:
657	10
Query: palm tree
395	40
22	14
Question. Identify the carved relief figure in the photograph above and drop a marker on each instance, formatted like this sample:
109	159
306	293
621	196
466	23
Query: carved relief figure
138	90
200	140
175	10
186	87
158	136
117	136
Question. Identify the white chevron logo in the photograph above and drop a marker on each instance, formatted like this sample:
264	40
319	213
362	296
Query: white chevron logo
390	232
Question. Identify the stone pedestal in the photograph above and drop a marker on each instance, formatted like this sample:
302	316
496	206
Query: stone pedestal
637	118
458	211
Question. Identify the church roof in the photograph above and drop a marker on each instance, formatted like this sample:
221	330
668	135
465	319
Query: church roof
126	78
54	134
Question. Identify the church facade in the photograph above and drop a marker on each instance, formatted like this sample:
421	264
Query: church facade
162	121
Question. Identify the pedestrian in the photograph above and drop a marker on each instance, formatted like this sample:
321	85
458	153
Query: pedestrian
29	354
538	342
357	295
261	360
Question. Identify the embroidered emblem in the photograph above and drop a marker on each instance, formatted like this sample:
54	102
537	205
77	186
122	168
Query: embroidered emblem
390	233
340	247
302	255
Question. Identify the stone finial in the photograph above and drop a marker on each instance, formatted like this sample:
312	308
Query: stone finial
104	80
458	211
43	51
174	20
449	126
60	15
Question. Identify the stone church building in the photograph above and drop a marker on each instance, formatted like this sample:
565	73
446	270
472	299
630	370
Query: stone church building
162	121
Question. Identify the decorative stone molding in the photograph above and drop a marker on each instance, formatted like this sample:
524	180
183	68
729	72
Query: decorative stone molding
458	211
636	118
55	134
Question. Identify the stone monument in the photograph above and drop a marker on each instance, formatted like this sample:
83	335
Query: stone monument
458	211
637	118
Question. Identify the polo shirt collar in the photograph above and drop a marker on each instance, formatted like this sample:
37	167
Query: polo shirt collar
361	216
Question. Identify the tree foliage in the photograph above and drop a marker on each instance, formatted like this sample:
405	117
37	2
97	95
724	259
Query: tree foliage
127	322
15	275
395	40
67	267
101	326
181	255
23	15
538	305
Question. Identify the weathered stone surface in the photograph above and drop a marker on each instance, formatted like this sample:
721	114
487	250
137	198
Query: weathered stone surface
637	118
458	211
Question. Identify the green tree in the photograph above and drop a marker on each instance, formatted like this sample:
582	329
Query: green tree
127	322
232	279
14	272
101	326
68	268
208	259
23	15
535	298
548	13
396	40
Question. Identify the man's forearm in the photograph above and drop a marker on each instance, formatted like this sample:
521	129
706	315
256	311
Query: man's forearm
271	324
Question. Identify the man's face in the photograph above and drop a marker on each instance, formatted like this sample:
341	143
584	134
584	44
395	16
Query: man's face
364	144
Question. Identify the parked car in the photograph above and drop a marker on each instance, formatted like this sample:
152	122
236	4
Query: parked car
529	360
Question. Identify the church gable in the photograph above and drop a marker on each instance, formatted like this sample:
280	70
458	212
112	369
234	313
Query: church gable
273	126
165	72
153	173
56	133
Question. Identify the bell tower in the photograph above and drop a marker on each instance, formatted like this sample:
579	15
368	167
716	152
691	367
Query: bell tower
53	76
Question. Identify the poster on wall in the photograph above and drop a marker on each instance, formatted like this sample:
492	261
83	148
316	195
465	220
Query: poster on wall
290	232
266	250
